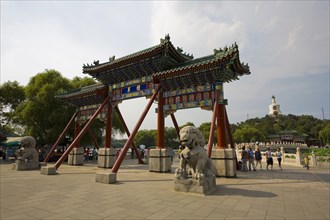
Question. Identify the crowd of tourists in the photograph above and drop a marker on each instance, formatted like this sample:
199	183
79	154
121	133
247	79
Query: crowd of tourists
90	154
251	159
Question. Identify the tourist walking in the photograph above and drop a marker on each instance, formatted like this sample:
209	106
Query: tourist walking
251	159
142	153
146	154
306	160
244	157
258	157
279	158
95	153
269	158
86	154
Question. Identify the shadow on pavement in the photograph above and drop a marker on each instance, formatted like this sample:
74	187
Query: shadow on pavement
223	190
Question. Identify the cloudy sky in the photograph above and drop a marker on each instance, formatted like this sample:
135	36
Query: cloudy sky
285	43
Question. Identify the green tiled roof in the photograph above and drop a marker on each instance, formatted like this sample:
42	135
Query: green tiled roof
163	64
88	95
222	66
165	48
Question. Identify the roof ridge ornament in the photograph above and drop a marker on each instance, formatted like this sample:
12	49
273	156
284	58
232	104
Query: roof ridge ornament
226	50
112	58
166	39
180	50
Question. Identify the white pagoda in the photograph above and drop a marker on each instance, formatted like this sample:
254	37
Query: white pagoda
274	108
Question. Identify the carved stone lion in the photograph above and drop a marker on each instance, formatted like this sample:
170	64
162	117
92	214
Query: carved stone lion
194	155
27	157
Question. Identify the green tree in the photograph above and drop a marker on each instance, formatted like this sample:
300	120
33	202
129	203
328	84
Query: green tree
78	82
171	138
205	130
44	115
247	134
146	137
11	95
324	134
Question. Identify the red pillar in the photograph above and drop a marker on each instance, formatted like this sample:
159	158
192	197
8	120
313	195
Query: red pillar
230	136
108	128
61	137
160	121
214	115
221	125
135	130
80	135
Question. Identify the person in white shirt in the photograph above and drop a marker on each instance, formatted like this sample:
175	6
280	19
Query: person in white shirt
269	158
279	157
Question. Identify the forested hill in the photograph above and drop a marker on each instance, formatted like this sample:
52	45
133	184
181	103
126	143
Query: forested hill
258	129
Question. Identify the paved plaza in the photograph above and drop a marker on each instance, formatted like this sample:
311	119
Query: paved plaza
294	193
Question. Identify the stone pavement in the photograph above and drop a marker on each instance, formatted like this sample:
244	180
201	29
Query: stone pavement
294	193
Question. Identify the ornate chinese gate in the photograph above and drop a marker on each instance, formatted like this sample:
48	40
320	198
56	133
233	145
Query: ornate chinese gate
163	73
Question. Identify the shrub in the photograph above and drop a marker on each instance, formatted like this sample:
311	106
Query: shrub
325	152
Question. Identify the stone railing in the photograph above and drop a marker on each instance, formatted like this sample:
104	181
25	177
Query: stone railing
296	159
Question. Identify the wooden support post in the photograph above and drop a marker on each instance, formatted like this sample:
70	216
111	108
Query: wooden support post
108	128
160	121
76	132
175	125
61	137
90	134
80	135
135	130
137	153
221	125
214	115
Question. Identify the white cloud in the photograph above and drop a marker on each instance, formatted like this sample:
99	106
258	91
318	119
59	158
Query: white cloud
281	41
292	37
196	32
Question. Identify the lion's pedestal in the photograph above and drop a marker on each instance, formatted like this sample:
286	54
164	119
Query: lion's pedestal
160	160
206	186
106	158
224	161
76	157
26	165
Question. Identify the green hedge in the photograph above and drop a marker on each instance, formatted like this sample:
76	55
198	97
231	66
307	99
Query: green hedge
319	151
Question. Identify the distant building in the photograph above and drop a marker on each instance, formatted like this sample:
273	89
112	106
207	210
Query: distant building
274	108
288	136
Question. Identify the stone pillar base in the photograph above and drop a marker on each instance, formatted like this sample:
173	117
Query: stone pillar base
224	161
48	170
76	157
107	157
160	160
107	178
207	186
